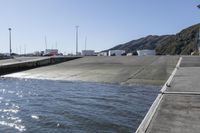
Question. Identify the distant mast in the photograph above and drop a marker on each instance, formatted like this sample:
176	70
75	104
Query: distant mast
24	49
45	41
56	45
85	43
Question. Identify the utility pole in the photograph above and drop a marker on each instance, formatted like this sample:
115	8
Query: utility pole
77	40
10	40
198	39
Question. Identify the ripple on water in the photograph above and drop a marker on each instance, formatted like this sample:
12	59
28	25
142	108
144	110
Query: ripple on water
58	106
9	111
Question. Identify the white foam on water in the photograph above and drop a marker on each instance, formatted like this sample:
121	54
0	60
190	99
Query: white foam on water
35	117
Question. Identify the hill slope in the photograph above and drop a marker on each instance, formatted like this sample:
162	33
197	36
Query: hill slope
183	43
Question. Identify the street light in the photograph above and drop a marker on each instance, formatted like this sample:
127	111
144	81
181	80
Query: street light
198	39
10	40
77	40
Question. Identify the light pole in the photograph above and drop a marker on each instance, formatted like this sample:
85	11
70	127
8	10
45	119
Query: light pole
77	40
198	39
198	6
10	40
198	42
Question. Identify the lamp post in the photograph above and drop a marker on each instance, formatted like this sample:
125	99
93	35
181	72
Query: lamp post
10	40
198	6
198	39
198	42
77	40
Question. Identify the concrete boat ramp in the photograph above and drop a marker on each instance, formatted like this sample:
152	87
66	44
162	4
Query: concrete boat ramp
153	70
177	107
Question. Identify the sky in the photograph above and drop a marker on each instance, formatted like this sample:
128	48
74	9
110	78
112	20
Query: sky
105	23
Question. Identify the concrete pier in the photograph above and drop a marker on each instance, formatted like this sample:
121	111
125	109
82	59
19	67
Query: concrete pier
153	70
177	107
24	63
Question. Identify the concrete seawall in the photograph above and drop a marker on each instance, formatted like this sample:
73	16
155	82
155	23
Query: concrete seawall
176	109
20	64
153	70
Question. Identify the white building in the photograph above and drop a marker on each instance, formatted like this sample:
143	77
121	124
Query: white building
116	52
146	52
88	52
37	53
103	54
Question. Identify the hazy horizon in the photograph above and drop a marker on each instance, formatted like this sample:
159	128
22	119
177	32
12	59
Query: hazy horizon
106	23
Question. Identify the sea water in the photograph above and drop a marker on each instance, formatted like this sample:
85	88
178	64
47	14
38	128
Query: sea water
45	106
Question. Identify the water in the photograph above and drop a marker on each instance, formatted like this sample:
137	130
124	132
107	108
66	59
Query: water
42	106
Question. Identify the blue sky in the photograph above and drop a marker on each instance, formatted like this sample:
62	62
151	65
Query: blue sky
106	23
